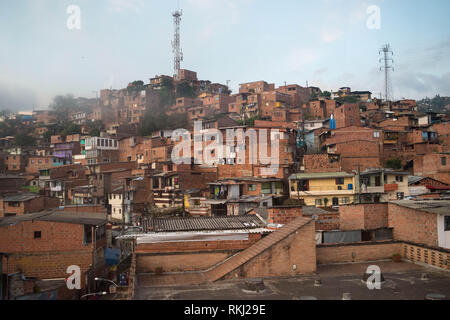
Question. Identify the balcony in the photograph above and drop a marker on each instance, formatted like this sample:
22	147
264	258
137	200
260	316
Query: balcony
322	191
56	188
390	187
369	189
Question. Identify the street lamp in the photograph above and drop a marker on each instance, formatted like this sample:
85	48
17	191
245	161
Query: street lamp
94	294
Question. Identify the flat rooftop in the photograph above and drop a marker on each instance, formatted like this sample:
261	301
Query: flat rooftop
402	282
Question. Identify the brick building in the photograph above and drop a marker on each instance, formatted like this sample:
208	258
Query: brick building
43	245
433	165
20	204
357	147
421	222
347	115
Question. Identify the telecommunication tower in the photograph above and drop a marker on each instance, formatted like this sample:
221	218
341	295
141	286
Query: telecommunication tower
176	44
387	66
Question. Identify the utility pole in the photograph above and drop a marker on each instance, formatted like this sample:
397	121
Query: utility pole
387	61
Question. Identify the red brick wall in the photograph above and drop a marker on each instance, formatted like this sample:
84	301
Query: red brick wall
298	249
328	222
34	205
180	262
413	226
442	128
283	215
34	166
347	115
320	163
87	209
197	246
363	216
430	165
61	245
343	253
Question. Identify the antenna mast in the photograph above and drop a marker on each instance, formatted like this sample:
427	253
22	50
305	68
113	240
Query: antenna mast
387	66
176	44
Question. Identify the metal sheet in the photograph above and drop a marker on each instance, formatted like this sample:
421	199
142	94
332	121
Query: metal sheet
384	234
342	237
192	237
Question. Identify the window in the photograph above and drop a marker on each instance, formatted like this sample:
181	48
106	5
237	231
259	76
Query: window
251	187
399	178
444	161
340	181
400	195
100	233
37	235
87	234
14	204
376	134
345	200
318	202
266	188
447	223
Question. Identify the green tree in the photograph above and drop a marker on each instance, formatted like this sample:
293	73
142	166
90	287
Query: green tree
326	94
395	164
136	86
64	105
347	99
24	140
94	128
185	90
71	129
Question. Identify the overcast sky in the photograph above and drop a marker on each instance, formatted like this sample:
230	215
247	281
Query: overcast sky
324	42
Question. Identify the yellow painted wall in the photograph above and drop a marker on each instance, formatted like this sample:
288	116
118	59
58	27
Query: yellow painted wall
328	186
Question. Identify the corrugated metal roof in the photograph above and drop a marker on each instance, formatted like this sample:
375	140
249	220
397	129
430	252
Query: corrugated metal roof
432	206
57	216
20	197
321	175
390	172
205	223
414	179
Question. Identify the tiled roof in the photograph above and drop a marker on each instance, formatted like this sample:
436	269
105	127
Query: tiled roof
205	223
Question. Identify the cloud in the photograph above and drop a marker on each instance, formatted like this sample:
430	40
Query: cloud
329	35
420	84
16	98
119	6
299	58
